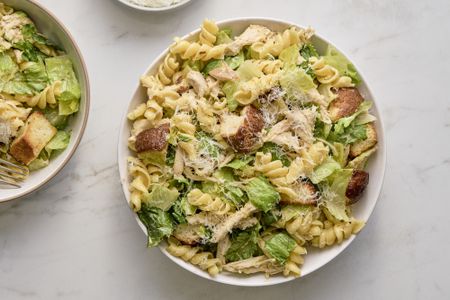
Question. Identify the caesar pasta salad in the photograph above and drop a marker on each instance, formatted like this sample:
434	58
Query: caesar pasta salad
38	92
249	149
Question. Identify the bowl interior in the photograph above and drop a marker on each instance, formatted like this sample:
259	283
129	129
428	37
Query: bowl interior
315	258
52	28
154	9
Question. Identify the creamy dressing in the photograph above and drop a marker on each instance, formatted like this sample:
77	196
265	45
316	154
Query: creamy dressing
155	3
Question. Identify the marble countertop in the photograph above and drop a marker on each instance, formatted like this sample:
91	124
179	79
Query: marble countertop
76	238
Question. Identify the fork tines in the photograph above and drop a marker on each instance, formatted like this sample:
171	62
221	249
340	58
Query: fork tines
11	174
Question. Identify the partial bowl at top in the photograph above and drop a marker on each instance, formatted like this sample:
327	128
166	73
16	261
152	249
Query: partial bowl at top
53	29
154	9
315	259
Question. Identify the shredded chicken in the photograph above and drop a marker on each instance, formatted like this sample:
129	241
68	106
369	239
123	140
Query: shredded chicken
224	73
178	165
254	265
198	82
222	248
253	34
302	121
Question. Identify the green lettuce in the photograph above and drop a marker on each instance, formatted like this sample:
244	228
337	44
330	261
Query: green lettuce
8	69
196	65
324	170
243	245
240	162
235	61
60	69
334	194
307	51
224	36
161	197
289	212
40	162
229	88
270	217
248	70
57	120
229	189
159	224
277	153
340	153
290	56
345	122
360	161
153	157
262	194
295	82
35	75
347	131
59	142
211	65
336	59
181	209
280	247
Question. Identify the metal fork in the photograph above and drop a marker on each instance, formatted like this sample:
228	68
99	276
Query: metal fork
12	174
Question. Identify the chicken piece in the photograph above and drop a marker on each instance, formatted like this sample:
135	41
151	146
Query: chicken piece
346	103
5	132
153	139
303	121
359	147
224	73
36	134
254	265
222	248
305	193
188	234
232	221
242	132
253	34
178	164
12	26
356	186
198	82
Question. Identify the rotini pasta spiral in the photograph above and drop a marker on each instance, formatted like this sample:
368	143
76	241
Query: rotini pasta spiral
206	202
327	74
308	160
336	233
167	69
268	66
206	118
249	91
5	10
47	96
208	33
294	262
204	260
196	51
274	170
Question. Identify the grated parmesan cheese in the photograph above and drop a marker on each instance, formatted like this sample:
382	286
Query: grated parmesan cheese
155	3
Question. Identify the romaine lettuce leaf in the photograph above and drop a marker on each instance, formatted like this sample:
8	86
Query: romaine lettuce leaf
288	212
8	69
234	62
60	69
248	70
307	51
35	74
345	122
262	194
295	82
229	88
68	107
40	162
340	153
229	189
243	245
159	224
211	65
277	153
161	197
324	170
280	247
57	120
224	36
182	208
240	162
336	59
59	142
334	194
290	56
350	135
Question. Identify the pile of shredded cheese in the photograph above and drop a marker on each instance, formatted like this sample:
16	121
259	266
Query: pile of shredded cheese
155	3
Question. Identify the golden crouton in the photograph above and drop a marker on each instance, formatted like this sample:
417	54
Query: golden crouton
36	133
359	147
346	103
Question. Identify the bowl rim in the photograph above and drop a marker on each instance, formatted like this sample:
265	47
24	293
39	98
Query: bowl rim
381	151
84	116
154	9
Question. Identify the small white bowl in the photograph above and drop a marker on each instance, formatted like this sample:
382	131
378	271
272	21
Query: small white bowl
154	9
315	258
51	27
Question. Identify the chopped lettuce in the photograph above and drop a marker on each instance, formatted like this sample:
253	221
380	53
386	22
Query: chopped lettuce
153	157
307	51
207	145
224	36
334	194
235	61
40	162
290	56
211	65
159	223
280	247
277	153
60	69
196	65
262	194
240	162
57	120
59	142
161	197
270	217
336	59
243	245
360	161
340	153
35	75
347	131
182	208
248	70
295	82
68	107
288	212
345	122
324	170
8	69
229	88
229	189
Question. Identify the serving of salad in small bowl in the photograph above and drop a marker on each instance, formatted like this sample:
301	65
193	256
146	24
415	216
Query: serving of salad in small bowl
44	97
246	151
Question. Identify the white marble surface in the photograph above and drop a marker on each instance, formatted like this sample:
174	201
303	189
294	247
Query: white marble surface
76	238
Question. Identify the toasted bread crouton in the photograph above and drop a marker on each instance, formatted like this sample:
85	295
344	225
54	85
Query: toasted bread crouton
346	103
356	186
36	133
153	139
242	132
188	234
306	194
371	140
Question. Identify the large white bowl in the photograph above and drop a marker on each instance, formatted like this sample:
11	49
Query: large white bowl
50	26
315	258
154	9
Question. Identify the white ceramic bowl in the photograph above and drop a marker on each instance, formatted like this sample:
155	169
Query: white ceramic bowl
51	27
154	9
315	258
